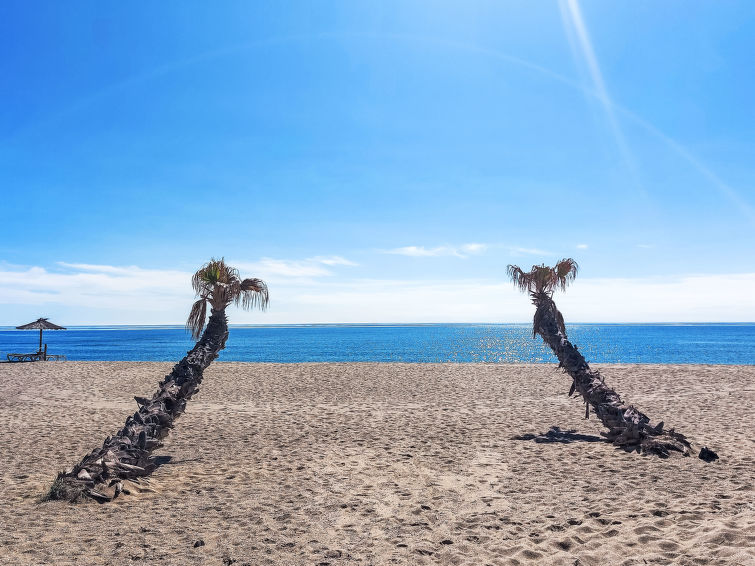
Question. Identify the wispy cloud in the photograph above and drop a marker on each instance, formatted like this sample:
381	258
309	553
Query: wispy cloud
275	269
528	251
270	267
462	251
582	246
94	268
332	260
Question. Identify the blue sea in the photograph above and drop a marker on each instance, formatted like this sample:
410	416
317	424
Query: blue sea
494	343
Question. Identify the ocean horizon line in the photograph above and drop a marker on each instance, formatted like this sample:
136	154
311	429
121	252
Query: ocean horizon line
387	325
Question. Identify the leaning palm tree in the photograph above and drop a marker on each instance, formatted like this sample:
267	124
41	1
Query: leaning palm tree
627	426
128	454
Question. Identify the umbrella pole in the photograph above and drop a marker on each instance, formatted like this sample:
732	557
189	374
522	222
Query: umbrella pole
40	339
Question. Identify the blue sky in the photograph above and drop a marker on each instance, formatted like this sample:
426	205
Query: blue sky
377	162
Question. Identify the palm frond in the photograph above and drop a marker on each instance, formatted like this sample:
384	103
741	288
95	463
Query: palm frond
197	317
542	279
518	277
206	276
218	282
232	274
253	294
566	271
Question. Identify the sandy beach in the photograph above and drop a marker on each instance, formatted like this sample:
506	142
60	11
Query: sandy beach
331	464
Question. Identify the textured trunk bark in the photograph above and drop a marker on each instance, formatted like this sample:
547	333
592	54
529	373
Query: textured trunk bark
627	426
128	454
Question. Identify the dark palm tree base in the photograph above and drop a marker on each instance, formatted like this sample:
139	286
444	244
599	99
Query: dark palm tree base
128	454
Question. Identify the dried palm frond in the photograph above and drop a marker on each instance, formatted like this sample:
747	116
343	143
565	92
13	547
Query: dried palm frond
254	293
518	277
197	318
543	278
566	271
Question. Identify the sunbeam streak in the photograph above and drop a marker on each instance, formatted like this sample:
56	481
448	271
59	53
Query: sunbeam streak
574	25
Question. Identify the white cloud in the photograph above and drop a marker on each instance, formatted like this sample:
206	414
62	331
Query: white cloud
707	298
462	251
582	246
474	248
282	269
692	298
528	251
272	268
98	268
107	294
89	287
89	294
333	260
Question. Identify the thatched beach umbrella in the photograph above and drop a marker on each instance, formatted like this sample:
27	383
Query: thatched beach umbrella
40	324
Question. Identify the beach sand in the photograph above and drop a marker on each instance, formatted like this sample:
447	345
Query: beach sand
335	464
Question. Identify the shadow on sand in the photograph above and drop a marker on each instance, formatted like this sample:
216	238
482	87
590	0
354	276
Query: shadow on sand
555	434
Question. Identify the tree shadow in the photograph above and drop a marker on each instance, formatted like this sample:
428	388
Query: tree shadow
175	462
162	460
555	434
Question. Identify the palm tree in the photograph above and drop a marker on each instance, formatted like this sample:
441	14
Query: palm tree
627	426
127	455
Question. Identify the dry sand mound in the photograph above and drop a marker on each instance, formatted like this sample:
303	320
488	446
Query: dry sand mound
336	464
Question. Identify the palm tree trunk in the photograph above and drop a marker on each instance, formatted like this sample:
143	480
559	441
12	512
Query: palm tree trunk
627	426
128	454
